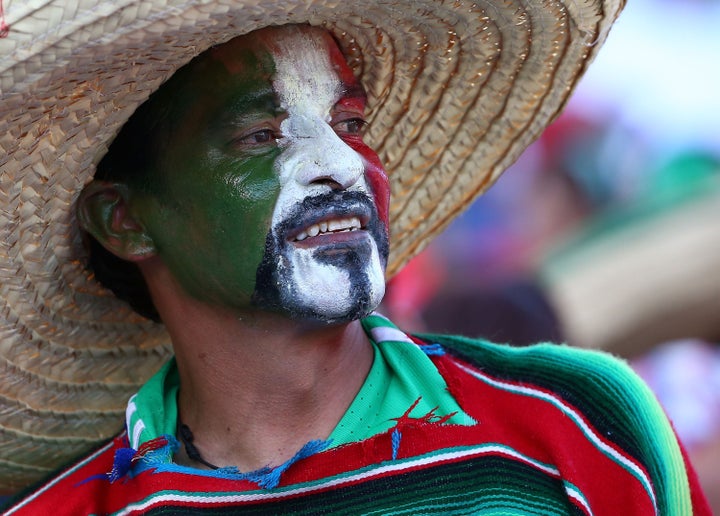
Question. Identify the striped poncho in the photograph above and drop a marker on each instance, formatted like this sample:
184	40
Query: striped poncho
544	429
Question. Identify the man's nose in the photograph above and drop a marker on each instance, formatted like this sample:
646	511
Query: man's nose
322	157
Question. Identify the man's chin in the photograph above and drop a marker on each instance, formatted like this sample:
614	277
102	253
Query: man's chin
313	318
334	302
332	315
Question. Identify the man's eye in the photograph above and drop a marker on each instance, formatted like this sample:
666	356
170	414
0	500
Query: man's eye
261	136
350	126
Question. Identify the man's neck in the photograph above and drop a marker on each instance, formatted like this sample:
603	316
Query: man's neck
255	387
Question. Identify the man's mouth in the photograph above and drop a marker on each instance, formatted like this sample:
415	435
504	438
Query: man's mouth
336	218
332	226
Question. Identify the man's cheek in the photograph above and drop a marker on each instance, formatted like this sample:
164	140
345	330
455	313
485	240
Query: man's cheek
376	177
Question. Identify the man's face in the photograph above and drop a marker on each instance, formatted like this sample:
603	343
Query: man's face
265	195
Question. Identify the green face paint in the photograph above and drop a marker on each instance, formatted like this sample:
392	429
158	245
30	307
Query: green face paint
208	204
259	196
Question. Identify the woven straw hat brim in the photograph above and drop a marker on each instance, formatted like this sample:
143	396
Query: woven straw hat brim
457	89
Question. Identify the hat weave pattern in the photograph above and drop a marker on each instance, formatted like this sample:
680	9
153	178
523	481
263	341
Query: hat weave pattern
457	89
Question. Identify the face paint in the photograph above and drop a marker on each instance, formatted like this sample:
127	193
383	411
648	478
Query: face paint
206	200
267	195
327	238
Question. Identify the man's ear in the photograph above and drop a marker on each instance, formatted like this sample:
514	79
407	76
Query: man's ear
103	211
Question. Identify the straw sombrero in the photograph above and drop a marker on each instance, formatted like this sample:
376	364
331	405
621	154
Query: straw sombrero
457	89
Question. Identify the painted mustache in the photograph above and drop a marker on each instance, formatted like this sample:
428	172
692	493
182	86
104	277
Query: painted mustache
329	211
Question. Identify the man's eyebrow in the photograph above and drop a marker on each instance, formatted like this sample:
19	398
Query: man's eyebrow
352	90
250	104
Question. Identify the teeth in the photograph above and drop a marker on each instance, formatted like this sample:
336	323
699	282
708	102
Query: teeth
334	226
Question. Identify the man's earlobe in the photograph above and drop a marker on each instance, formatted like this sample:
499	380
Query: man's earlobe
103	211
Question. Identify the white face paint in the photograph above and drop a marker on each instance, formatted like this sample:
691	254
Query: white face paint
314	161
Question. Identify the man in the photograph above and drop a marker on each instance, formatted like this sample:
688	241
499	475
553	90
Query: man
258	216
270	263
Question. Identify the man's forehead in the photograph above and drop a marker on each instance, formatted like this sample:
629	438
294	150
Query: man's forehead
299	60
304	73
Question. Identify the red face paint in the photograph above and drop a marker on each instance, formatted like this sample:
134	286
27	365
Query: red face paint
340	65
374	170
376	177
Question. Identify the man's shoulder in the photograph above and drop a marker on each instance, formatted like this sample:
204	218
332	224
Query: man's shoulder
585	411
593	387
545	363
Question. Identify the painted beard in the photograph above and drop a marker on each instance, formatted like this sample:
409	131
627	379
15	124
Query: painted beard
339	280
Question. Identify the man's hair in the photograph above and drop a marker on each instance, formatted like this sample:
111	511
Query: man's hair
131	154
123	278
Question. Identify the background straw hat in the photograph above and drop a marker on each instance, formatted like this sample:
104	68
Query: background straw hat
457	90
638	277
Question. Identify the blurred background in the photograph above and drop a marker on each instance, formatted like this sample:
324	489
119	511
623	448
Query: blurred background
606	232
